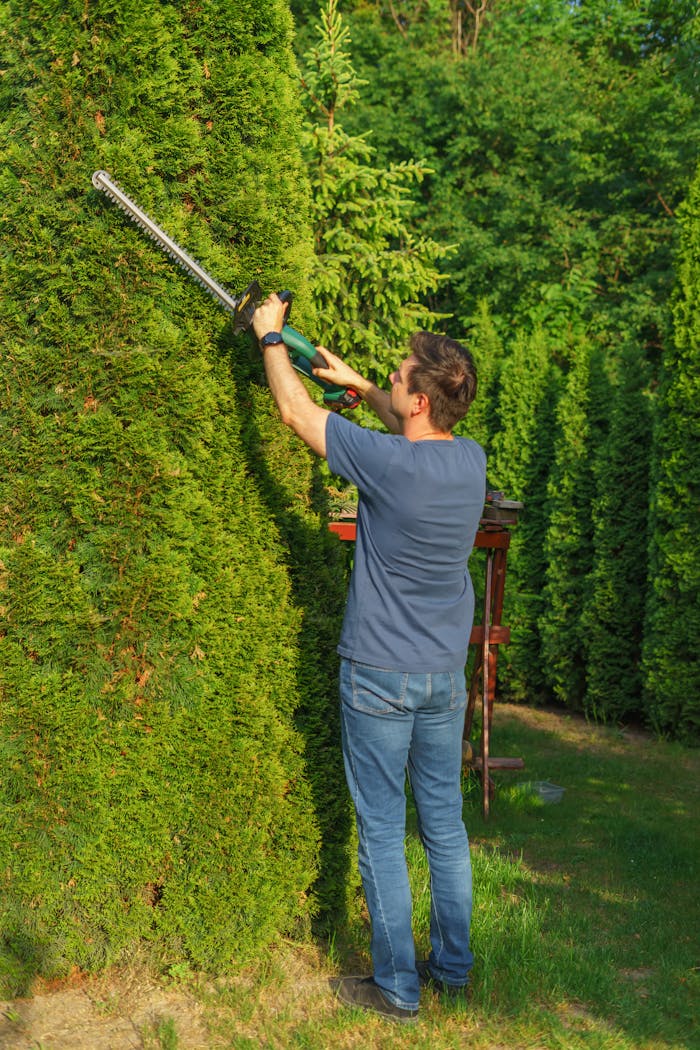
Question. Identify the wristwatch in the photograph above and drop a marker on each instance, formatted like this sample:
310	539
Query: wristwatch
271	339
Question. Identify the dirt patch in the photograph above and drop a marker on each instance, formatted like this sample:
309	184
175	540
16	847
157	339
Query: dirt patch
126	1012
136	1010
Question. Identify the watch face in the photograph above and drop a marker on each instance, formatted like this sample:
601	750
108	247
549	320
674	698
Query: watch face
271	339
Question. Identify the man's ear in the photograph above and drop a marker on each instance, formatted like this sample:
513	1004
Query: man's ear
421	403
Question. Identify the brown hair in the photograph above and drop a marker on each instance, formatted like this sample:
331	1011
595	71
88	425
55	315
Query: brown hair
445	372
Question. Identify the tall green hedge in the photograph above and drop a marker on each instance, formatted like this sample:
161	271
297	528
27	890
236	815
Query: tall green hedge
672	629
568	543
520	465
613	614
169	594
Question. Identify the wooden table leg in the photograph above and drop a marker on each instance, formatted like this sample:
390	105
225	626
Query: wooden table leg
486	687
488	636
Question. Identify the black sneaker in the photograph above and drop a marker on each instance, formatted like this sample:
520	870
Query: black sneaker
452	991
363	992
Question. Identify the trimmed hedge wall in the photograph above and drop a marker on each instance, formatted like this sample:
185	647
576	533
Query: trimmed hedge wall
169	595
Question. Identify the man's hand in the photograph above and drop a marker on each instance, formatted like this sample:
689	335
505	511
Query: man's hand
298	410
378	400
292	398
339	373
269	316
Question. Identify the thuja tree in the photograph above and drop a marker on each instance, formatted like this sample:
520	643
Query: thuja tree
672	630
371	273
157	631
488	350
568	546
613	615
520	465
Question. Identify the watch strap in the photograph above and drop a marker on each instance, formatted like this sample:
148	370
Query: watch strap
271	339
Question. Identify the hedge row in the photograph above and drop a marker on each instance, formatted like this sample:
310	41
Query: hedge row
169	595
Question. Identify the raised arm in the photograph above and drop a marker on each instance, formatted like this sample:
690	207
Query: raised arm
378	400
270	317
297	409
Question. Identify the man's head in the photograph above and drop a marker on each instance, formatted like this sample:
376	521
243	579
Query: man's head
443	370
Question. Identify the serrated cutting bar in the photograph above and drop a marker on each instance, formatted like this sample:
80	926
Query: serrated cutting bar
303	354
102	181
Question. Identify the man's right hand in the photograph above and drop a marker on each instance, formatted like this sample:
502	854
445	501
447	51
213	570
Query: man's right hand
378	400
339	373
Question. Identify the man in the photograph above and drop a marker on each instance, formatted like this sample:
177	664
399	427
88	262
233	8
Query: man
403	643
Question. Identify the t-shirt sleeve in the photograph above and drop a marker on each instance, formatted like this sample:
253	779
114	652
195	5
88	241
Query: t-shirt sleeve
360	455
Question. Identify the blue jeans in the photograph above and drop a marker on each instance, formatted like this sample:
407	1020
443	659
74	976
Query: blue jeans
393	721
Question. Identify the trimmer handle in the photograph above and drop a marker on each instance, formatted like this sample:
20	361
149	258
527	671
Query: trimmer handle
298	342
286	296
295	340
334	397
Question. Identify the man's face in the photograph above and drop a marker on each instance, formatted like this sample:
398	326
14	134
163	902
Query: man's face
401	400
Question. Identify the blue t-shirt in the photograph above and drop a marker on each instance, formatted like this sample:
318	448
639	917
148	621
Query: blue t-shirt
410	604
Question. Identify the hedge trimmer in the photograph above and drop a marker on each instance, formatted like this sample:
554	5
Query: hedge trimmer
303	355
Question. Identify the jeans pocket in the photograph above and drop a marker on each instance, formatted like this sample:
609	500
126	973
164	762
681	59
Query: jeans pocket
373	690
457	690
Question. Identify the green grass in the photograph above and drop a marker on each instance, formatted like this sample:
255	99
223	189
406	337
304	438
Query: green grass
585	927
161	1035
585	917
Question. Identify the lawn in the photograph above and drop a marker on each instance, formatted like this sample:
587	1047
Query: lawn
585	927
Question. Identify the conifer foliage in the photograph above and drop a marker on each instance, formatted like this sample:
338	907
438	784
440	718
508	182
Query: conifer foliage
156	630
568	544
613	615
372	272
672	638
522	451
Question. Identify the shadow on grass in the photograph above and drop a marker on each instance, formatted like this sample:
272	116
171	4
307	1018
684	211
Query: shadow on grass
22	957
585	909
